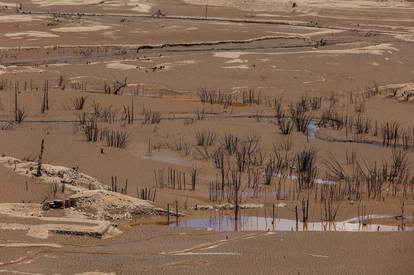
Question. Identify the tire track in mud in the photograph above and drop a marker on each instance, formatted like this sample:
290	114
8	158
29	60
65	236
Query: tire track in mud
29	245
29	257
200	248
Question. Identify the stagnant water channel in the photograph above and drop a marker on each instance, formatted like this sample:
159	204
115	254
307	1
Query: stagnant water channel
221	223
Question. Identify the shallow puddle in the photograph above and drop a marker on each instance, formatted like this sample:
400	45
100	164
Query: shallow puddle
312	127
165	159
255	223
293	177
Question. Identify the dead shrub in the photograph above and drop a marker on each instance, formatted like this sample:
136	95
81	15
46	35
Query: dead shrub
205	138
78	102
115	138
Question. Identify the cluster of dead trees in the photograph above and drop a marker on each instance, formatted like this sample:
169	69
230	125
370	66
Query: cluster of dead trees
176	179
242	164
374	180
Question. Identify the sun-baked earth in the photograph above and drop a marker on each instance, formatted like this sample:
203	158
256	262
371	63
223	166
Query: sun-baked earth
206	137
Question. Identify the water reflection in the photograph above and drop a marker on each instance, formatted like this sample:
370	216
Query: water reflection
311	130
165	159
220	222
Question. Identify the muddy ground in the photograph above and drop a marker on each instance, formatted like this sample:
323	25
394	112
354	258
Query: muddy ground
166	73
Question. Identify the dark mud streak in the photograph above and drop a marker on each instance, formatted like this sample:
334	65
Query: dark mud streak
328	138
141	119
